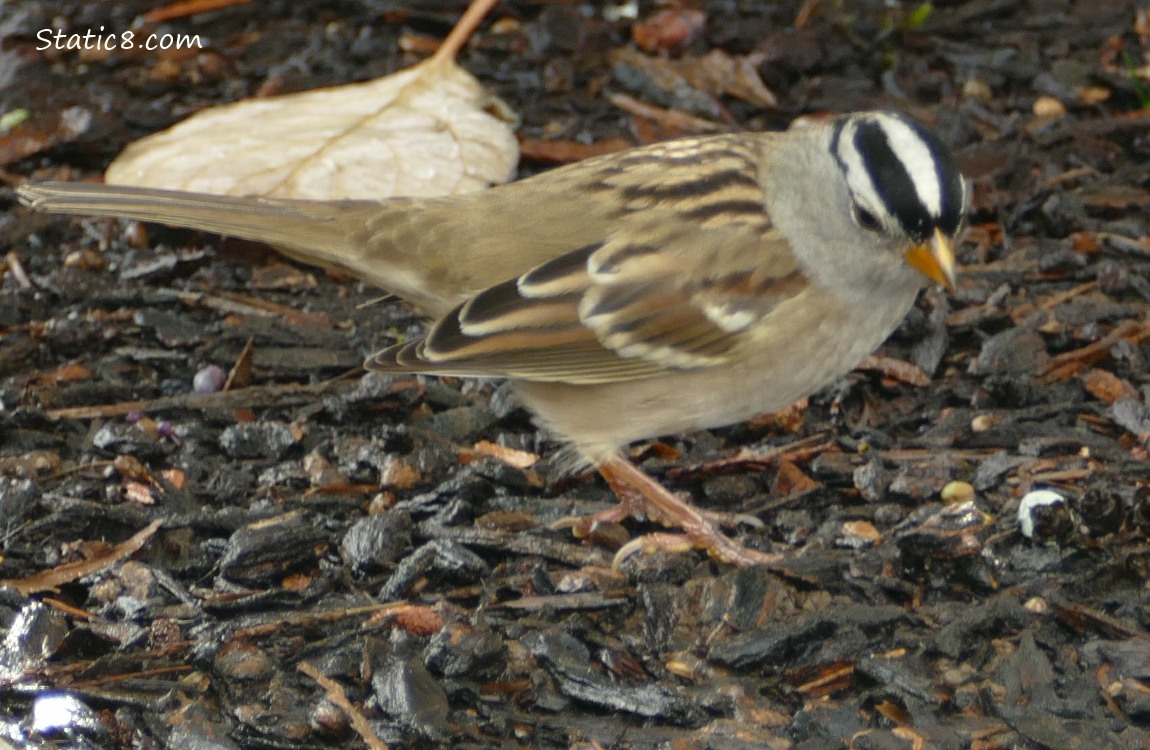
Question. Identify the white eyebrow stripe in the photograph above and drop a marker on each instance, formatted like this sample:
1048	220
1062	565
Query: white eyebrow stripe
858	176
919	161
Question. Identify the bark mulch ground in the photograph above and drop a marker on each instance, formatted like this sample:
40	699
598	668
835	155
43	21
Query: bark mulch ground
233	568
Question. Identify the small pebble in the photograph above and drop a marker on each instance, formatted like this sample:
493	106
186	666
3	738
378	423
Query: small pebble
957	492
209	379
978	89
1037	605
1048	106
983	422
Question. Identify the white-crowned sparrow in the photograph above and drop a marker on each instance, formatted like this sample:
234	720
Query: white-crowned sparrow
674	287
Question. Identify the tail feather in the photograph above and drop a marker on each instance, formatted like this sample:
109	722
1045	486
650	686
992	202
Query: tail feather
326	233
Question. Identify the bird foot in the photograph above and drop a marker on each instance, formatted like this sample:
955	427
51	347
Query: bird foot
586	526
639	493
716	544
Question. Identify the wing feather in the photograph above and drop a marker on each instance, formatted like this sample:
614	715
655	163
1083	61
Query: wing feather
688	267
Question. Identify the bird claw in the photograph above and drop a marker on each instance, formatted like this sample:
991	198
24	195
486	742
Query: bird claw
639	494
716	544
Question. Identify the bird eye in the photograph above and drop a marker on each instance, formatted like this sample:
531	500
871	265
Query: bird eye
866	219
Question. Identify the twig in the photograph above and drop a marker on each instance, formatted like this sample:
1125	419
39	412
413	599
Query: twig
61	574
338	697
669	118
272	395
1070	363
184	8
17	270
1021	312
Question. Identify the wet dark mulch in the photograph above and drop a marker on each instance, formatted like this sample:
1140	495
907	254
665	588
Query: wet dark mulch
322	524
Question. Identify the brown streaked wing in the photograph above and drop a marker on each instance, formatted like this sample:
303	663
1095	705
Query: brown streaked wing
503	331
689	265
612	331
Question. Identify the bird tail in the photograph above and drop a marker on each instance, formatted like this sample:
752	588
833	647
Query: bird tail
319	232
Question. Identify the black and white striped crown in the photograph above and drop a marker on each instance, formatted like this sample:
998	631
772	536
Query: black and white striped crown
899	174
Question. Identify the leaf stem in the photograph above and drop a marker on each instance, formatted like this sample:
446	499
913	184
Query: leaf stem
463	29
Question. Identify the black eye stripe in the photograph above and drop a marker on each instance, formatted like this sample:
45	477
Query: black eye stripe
895	187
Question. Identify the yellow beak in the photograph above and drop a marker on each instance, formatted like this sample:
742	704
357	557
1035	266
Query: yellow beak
934	259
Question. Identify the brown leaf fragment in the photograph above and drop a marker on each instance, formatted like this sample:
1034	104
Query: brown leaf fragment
176	478
506	520
859	534
85	260
1108	387
896	369
50	579
38	134
296	582
240	376
131	468
398	474
418	43
668	30
419	620
805	12
894	713
790	480
720	73
69	373
1070	175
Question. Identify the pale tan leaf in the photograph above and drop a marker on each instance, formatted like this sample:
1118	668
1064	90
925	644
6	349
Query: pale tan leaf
431	129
